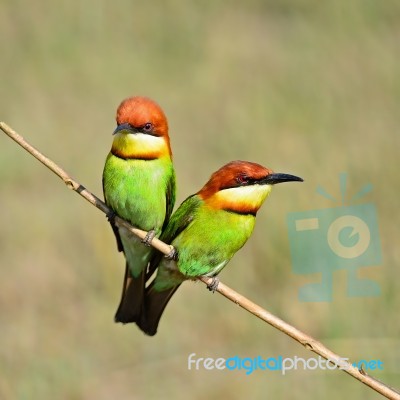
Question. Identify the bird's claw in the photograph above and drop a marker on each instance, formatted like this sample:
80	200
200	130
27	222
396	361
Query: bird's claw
111	217
172	255
213	285
149	237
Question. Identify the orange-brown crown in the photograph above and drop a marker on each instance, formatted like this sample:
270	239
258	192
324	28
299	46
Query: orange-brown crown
137	111
232	175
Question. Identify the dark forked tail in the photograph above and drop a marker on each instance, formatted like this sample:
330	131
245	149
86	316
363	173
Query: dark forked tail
132	298
154	305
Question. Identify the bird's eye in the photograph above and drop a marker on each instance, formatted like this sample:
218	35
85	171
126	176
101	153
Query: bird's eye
241	179
148	127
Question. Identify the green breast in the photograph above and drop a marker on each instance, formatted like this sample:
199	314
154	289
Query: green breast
211	240
136	189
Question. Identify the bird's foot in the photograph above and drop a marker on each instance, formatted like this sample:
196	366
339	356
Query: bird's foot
149	237
172	255
111	217
213	286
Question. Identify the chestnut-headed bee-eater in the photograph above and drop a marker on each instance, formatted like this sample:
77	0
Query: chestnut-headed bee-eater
139	186
206	231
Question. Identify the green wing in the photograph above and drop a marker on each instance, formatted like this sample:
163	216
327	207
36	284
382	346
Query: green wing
181	218
113	226
170	198
179	221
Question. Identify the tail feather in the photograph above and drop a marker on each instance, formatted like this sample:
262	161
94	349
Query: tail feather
131	304
154	305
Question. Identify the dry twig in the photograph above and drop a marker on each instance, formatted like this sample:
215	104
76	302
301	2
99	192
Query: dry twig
304	339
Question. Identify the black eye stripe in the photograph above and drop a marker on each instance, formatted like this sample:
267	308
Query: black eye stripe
247	182
148	126
242	179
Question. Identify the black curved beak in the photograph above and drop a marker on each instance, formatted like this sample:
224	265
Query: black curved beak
275	178
125	127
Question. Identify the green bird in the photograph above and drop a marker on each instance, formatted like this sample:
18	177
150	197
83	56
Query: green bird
139	186
206	230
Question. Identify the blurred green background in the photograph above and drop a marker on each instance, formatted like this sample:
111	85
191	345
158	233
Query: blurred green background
304	87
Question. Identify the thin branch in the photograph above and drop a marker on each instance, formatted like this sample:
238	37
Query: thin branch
307	341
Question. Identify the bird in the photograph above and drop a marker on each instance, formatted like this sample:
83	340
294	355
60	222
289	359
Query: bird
139	186
206	230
